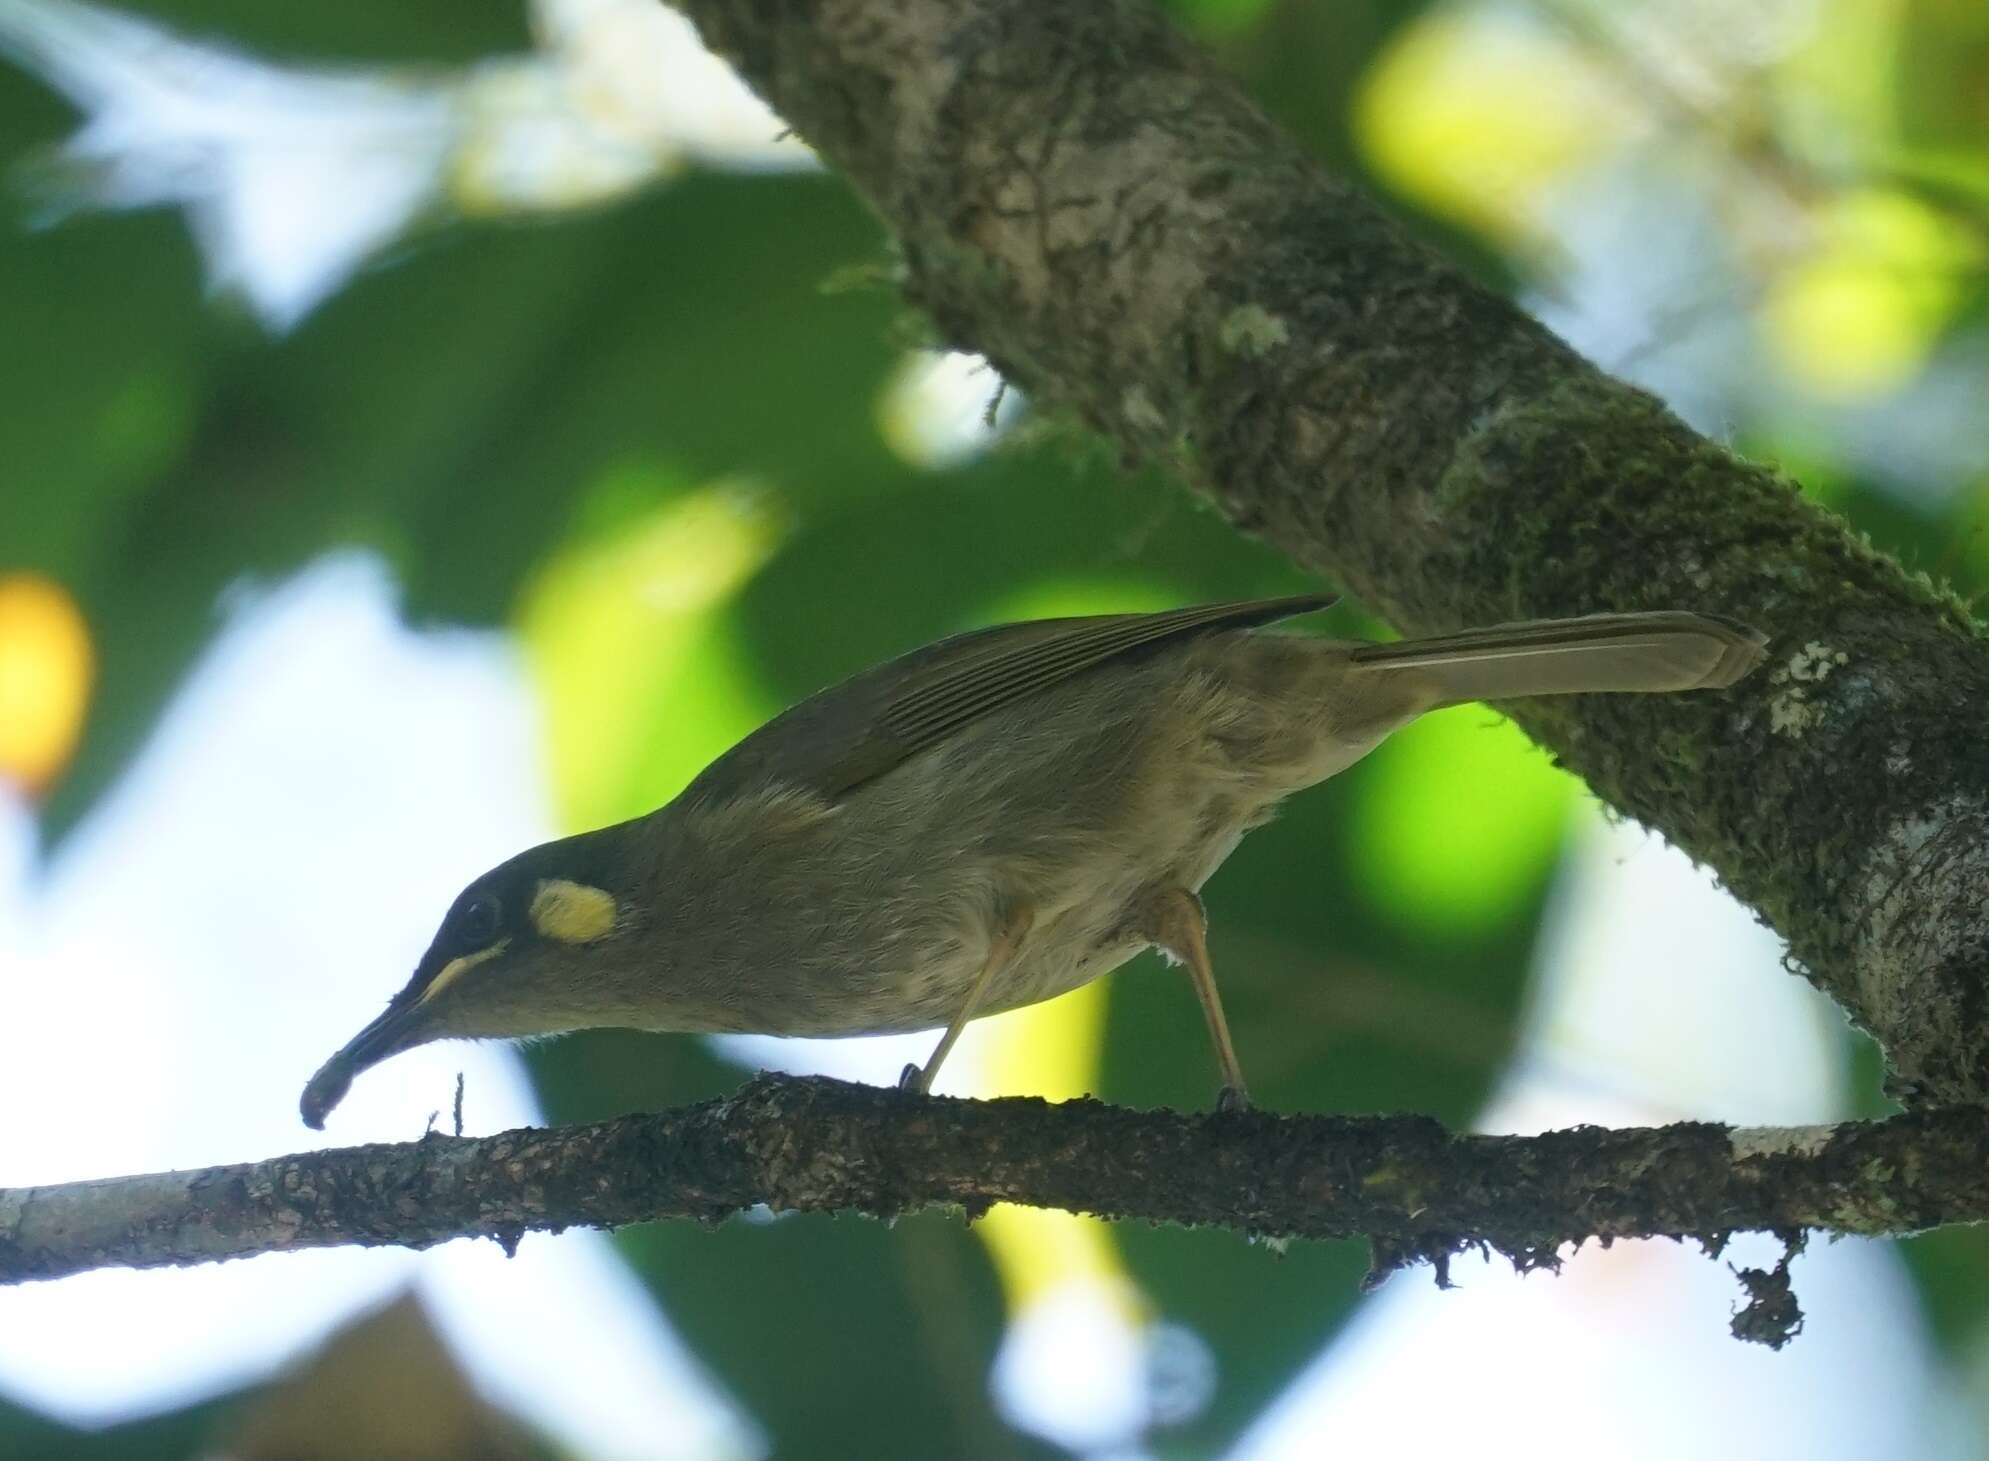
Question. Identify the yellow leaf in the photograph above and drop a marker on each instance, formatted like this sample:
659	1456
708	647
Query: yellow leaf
47	666
1474	113
1858	315
626	639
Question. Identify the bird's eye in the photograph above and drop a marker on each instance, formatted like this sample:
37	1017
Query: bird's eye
476	922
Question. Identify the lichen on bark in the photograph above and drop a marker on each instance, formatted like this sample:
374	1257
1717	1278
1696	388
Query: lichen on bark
1417	1191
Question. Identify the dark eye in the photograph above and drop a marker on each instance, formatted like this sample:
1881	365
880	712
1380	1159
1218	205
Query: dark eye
476	922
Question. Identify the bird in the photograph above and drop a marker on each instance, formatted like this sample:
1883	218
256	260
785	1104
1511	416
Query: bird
984	823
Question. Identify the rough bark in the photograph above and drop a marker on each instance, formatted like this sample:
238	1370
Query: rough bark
1079	195
1416	1190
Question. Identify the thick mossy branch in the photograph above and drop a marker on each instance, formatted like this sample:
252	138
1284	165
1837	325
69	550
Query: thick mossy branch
1079	195
817	1145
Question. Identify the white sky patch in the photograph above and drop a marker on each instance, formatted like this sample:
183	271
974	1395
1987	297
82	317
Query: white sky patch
249	895
1072	1367
1626	1356
1660	998
934	410
292	177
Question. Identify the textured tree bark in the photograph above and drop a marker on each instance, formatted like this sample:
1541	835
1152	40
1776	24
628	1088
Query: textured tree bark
1081	197
1418	1191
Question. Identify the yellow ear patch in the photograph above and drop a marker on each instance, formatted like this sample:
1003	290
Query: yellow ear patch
573	913
455	967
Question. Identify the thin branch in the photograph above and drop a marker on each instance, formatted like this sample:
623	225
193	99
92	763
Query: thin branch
1417	1191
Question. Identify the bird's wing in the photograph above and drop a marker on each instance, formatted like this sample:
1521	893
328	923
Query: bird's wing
835	741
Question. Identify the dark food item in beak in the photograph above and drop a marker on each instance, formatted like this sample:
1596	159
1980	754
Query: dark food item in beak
326	1090
384	1037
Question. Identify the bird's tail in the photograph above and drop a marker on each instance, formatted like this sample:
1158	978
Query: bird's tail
1665	650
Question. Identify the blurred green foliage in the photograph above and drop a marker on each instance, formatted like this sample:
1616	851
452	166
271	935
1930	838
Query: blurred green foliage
170	1437
380	31
648	439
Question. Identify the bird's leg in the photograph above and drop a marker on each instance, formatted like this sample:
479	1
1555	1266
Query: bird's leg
1172	921
1001	953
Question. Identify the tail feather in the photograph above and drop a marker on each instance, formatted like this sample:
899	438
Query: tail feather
1664	650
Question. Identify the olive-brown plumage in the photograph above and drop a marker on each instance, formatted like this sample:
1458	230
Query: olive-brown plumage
984	823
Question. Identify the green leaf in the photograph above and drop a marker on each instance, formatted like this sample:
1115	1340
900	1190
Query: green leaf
1459	819
1218	18
172	1436
641	680
383	31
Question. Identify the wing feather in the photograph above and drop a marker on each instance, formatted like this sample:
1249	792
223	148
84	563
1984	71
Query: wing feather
852	733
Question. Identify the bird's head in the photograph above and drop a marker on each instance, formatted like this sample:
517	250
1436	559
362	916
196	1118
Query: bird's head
526	949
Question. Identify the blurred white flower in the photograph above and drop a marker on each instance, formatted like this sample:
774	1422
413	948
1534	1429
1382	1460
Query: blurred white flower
292	177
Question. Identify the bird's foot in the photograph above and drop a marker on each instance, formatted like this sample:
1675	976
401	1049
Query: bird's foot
1232	1098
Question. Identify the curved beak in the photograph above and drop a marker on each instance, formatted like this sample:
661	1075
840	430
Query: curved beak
397	1028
